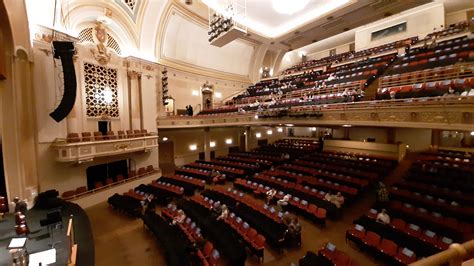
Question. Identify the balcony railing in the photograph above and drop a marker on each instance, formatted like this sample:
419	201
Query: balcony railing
433	112
80	152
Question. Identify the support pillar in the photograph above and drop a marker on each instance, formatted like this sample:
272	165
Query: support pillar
247	138
207	147
134	100
390	135
435	138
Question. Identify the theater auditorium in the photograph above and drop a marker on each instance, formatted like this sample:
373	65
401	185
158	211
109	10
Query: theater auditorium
237	132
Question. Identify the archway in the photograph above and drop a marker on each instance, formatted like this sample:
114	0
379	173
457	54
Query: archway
207	92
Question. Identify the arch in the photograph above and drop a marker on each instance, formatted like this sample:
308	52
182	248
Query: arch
120	26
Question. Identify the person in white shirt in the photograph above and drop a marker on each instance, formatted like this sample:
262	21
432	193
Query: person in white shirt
179	218
383	217
270	194
224	213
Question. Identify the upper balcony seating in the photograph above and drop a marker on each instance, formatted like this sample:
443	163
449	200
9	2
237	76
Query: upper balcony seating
431	72
451	30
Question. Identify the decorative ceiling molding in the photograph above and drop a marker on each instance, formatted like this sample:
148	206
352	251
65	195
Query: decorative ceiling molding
131	7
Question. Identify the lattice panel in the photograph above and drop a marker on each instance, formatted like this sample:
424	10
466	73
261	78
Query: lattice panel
86	35
113	44
101	91
131	4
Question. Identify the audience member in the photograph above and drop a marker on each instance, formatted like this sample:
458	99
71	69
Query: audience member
224	213
383	217
336	199
179	218
382	193
283	202
270	194
20	205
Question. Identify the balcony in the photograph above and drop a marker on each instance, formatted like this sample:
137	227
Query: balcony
80	152
450	113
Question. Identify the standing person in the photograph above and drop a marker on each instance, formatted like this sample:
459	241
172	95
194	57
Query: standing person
270	194
191	111
382	194
187	109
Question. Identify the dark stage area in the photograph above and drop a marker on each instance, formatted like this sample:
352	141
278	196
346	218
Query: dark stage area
41	237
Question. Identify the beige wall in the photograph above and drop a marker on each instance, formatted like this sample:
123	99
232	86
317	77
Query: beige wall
181	85
182	139
420	21
456	17
416	139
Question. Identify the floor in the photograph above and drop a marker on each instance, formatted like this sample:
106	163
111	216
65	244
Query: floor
121	240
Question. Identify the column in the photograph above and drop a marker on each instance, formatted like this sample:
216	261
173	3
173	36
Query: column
247	140
435	138
134	99
207	148
390	135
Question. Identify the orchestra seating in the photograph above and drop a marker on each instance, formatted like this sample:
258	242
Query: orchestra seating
189	184
249	236
430	208
126	204
267	222
204	253
175	249
335	256
217	232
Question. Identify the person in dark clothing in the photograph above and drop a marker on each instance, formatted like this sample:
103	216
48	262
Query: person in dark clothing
191	111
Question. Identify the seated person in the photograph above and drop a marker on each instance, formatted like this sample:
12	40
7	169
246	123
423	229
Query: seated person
179	218
338	200
283	202
270	194
224	213
293	233
383	217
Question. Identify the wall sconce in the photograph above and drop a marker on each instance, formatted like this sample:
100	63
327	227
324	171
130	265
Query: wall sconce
165	139
193	147
280	129
228	141
269	132
212	144
258	135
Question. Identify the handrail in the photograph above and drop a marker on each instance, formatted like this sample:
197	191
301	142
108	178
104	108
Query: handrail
63	141
454	255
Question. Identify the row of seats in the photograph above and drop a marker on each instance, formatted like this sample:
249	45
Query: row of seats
98	136
126	204
386	249
142	171
309	210
207	255
254	241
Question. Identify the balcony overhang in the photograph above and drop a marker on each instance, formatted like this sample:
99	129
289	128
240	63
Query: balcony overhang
456	113
81	152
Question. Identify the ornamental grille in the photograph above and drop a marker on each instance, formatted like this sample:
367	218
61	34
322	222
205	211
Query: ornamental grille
101	91
112	43
86	35
130	3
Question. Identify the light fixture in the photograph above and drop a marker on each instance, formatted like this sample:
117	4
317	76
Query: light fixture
288	7
228	141
256	116
289	125
280	129
195	93
313	129
301	53
472	133
271	72
218	95
212	144
165	139
193	147
258	135
269	132
108	95
346	125
408	146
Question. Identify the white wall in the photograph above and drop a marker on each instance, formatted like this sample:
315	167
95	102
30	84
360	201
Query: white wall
187	41
420	21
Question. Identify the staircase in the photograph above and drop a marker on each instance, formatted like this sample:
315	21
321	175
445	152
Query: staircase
371	90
